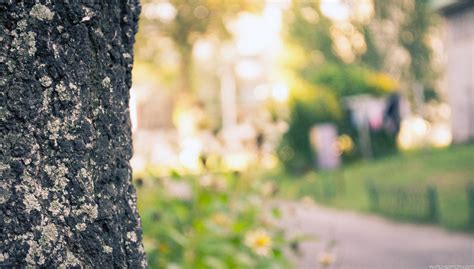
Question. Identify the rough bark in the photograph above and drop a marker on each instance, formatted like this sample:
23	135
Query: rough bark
65	192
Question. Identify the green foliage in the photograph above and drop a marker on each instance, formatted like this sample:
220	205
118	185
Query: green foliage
309	105
347	80
310	29
325	68
210	226
414	30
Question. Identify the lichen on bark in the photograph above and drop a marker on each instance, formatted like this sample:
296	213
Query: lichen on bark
66	199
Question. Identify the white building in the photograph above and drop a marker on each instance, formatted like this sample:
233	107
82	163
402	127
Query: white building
459	44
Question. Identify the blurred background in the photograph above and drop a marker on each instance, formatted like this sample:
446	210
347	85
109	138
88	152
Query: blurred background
246	112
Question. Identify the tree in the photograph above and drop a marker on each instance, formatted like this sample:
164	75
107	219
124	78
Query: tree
406	50
187	21
66	195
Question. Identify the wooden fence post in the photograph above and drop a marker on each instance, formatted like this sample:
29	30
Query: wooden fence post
470	201
373	195
432	196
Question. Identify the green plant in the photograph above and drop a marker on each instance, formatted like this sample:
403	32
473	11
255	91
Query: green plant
214	221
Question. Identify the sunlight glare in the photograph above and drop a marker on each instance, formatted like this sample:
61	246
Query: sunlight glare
280	92
190	153
440	135
257	33
335	9
163	11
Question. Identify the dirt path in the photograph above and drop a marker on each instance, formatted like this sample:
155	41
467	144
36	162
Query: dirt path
371	242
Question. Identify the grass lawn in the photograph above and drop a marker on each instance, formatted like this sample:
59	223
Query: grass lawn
450	170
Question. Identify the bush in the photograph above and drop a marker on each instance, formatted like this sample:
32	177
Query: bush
308	105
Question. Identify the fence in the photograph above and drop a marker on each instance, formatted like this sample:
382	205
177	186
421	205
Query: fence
419	203
470	200
414	203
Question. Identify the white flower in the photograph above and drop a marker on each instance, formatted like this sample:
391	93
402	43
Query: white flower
259	241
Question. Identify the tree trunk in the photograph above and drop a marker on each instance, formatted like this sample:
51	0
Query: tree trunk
66	196
186	70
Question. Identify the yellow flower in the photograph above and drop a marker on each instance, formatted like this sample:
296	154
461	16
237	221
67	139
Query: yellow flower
259	241
326	259
344	143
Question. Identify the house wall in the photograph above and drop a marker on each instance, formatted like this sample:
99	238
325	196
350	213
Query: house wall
460	72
